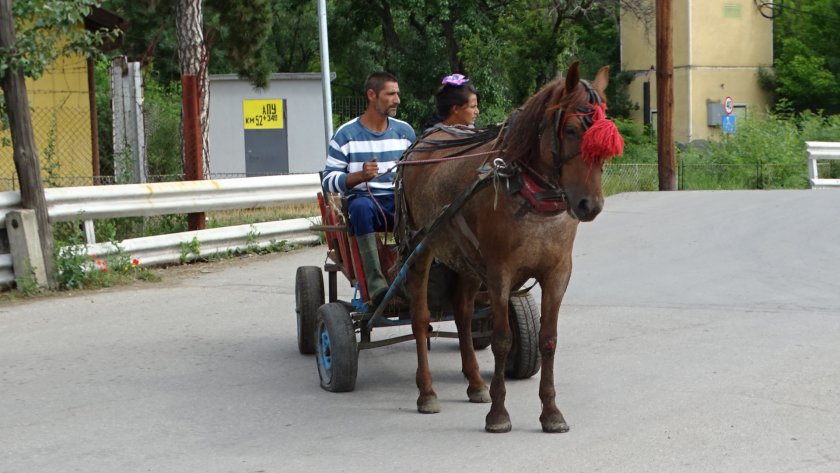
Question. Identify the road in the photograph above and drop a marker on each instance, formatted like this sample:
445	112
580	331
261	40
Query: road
699	334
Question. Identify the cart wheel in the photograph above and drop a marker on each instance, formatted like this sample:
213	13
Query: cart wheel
335	345
309	295
524	358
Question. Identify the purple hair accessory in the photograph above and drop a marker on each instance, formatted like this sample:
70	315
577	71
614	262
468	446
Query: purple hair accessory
455	79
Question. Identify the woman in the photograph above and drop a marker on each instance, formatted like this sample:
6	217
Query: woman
456	103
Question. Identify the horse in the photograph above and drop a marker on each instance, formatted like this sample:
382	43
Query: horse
512	207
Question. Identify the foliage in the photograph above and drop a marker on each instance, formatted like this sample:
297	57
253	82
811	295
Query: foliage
78	270
49	29
236	35
162	118
192	247
807	66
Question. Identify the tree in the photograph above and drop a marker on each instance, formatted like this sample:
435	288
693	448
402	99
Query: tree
242	27
807	67
32	35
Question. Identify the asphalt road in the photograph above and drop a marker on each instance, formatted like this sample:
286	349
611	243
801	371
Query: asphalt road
699	334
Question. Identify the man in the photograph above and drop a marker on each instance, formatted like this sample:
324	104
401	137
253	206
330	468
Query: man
360	162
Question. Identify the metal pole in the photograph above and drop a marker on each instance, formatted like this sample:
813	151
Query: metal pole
325	69
193	143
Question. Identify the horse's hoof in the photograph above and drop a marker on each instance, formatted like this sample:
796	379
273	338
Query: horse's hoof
481	395
497	424
428	405
498	428
554	426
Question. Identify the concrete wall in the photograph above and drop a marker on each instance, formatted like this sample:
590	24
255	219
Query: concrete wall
303	99
719	46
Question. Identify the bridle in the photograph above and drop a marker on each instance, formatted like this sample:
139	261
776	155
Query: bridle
538	190
558	119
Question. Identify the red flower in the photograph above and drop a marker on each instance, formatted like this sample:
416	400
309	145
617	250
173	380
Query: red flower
135	262
104	269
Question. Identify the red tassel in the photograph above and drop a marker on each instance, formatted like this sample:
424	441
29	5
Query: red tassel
602	140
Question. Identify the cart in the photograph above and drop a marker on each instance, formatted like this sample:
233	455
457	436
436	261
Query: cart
336	330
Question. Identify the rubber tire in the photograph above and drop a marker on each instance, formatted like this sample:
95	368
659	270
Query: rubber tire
480	343
309	296
524	358
335	347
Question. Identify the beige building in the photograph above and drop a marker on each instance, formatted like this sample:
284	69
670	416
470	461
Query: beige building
718	48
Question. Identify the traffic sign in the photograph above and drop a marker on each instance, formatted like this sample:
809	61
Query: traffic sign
728	105
728	123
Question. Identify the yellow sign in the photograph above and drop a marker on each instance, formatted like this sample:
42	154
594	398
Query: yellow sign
263	114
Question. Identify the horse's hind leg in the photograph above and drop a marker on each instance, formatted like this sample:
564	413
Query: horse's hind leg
551	418
417	283
463	306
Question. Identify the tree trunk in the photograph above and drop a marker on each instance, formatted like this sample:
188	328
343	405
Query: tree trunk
192	58
25	154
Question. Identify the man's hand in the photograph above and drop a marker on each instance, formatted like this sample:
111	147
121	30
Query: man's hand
370	170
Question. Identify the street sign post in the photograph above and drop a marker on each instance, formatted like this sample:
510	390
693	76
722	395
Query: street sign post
728	105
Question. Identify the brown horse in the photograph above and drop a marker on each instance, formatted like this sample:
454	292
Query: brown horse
520	225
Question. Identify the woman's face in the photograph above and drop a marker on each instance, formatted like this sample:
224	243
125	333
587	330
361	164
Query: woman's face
464	114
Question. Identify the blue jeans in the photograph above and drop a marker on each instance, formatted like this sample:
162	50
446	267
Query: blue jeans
366	217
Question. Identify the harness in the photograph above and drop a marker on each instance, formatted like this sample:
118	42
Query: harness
540	195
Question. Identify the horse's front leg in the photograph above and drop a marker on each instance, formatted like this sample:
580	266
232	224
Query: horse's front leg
552	295
418	283
498	419
463	306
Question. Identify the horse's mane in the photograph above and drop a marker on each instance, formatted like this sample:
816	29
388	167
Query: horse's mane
521	141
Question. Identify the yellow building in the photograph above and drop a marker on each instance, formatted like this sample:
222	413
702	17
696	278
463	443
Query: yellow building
63	109
718	48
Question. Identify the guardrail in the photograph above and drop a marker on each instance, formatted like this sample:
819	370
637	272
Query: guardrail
138	200
819	150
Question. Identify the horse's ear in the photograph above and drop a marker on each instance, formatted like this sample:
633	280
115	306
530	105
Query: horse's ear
602	78
573	76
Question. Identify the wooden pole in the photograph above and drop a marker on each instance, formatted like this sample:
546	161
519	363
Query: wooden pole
665	97
25	154
193	142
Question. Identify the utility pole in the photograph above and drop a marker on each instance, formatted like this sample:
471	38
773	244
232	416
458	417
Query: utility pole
665	97
25	154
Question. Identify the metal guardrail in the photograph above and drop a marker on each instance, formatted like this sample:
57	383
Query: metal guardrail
818	150
136	200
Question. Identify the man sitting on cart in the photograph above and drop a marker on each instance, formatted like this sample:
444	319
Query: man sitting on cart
360	165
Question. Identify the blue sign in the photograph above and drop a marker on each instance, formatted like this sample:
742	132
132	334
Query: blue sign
727	123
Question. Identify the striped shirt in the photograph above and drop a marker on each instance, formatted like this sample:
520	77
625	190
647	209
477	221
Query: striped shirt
353	145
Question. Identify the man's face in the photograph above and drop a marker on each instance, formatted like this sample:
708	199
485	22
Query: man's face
387	100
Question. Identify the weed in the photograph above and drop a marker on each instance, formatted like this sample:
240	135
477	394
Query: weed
192	247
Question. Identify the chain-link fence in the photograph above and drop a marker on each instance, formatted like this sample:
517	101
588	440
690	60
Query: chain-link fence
63	139
645	177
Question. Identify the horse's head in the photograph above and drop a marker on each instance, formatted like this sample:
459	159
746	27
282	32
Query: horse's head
574	139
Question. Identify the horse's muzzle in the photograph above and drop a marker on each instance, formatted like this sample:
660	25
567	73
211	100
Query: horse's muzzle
586	210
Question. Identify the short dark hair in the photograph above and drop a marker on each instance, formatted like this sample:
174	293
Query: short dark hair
377	81
449	95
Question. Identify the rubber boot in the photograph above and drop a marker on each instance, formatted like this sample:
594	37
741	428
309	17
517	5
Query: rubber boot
376	285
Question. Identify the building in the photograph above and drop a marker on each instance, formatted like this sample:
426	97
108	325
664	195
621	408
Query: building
276	130
718	48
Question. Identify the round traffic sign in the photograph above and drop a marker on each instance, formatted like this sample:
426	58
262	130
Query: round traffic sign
728	105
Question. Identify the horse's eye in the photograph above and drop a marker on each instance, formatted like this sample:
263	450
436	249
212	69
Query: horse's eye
570	130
